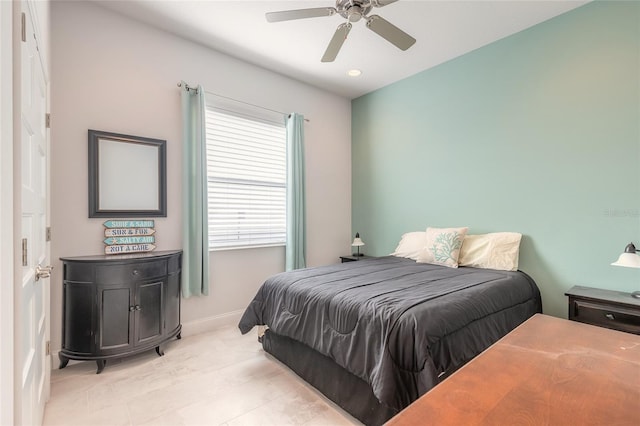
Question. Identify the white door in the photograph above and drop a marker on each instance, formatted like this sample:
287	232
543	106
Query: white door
6	214
32	377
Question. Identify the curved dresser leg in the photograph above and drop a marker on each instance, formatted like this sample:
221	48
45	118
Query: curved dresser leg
159	351
63	361
179	336
101	363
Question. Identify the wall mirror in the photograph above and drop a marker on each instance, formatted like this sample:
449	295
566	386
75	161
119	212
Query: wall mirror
127	176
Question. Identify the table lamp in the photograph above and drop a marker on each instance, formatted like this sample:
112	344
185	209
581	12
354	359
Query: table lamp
629	259
357	242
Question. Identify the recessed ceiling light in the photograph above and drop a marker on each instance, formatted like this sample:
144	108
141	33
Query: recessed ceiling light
354	73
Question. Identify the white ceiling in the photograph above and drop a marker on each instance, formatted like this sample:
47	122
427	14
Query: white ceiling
443	29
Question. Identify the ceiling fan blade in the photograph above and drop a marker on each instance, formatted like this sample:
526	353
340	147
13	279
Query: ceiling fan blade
381	3
390	32
336	42
288	15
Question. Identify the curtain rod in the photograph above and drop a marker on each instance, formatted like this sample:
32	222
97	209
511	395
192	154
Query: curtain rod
187	87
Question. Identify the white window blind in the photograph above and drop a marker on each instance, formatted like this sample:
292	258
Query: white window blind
246	170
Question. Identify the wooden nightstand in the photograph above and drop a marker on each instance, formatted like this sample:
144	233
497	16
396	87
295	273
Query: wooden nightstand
605	308
352	258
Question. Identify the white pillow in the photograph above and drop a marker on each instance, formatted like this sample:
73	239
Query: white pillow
443	246
498	250
411	244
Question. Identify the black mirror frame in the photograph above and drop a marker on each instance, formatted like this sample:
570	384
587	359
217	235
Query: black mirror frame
94	185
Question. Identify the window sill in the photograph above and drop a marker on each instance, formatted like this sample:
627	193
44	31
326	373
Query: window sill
245	247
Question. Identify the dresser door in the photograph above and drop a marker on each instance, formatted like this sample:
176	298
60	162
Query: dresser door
116	310
149	312
78	317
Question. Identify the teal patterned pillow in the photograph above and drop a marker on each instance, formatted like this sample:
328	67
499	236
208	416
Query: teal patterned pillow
443	246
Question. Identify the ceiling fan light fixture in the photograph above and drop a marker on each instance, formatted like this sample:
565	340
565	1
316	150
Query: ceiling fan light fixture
354	73
355	13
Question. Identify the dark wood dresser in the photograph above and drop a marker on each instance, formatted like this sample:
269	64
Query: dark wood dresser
605	308
119	305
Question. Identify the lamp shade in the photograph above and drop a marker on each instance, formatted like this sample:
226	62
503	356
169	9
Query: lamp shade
357	242
629	258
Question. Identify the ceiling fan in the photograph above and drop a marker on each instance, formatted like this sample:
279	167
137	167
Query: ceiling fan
353	11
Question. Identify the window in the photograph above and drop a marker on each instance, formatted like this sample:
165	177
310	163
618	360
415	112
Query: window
246	177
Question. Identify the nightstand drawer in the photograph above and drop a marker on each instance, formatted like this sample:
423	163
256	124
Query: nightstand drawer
605	308
609	316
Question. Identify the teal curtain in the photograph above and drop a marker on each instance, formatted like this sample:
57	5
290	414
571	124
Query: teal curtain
195	229
296	227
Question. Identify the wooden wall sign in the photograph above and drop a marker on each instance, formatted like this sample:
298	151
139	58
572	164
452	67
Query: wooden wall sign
128	248
129	224
129	236
128	232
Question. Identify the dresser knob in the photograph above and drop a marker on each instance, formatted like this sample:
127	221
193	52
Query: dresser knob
610	316
136	272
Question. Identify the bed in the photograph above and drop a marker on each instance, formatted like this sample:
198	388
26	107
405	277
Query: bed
376	334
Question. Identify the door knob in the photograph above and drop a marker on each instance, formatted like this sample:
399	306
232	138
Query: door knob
43	272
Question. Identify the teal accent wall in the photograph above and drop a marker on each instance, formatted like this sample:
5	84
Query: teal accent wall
537	133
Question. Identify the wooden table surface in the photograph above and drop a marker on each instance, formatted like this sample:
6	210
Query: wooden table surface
548	371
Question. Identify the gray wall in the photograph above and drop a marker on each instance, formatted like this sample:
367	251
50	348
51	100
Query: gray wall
113	74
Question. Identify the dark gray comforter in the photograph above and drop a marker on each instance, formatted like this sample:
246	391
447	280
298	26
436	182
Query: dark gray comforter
394	323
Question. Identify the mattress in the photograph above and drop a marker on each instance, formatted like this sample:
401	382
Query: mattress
397	325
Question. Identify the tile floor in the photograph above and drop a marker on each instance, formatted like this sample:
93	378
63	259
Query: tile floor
215	378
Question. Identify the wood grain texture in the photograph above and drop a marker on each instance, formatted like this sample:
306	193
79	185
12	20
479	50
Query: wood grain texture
548	371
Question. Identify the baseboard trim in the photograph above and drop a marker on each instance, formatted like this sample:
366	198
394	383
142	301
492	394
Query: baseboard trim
204	325
189	328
